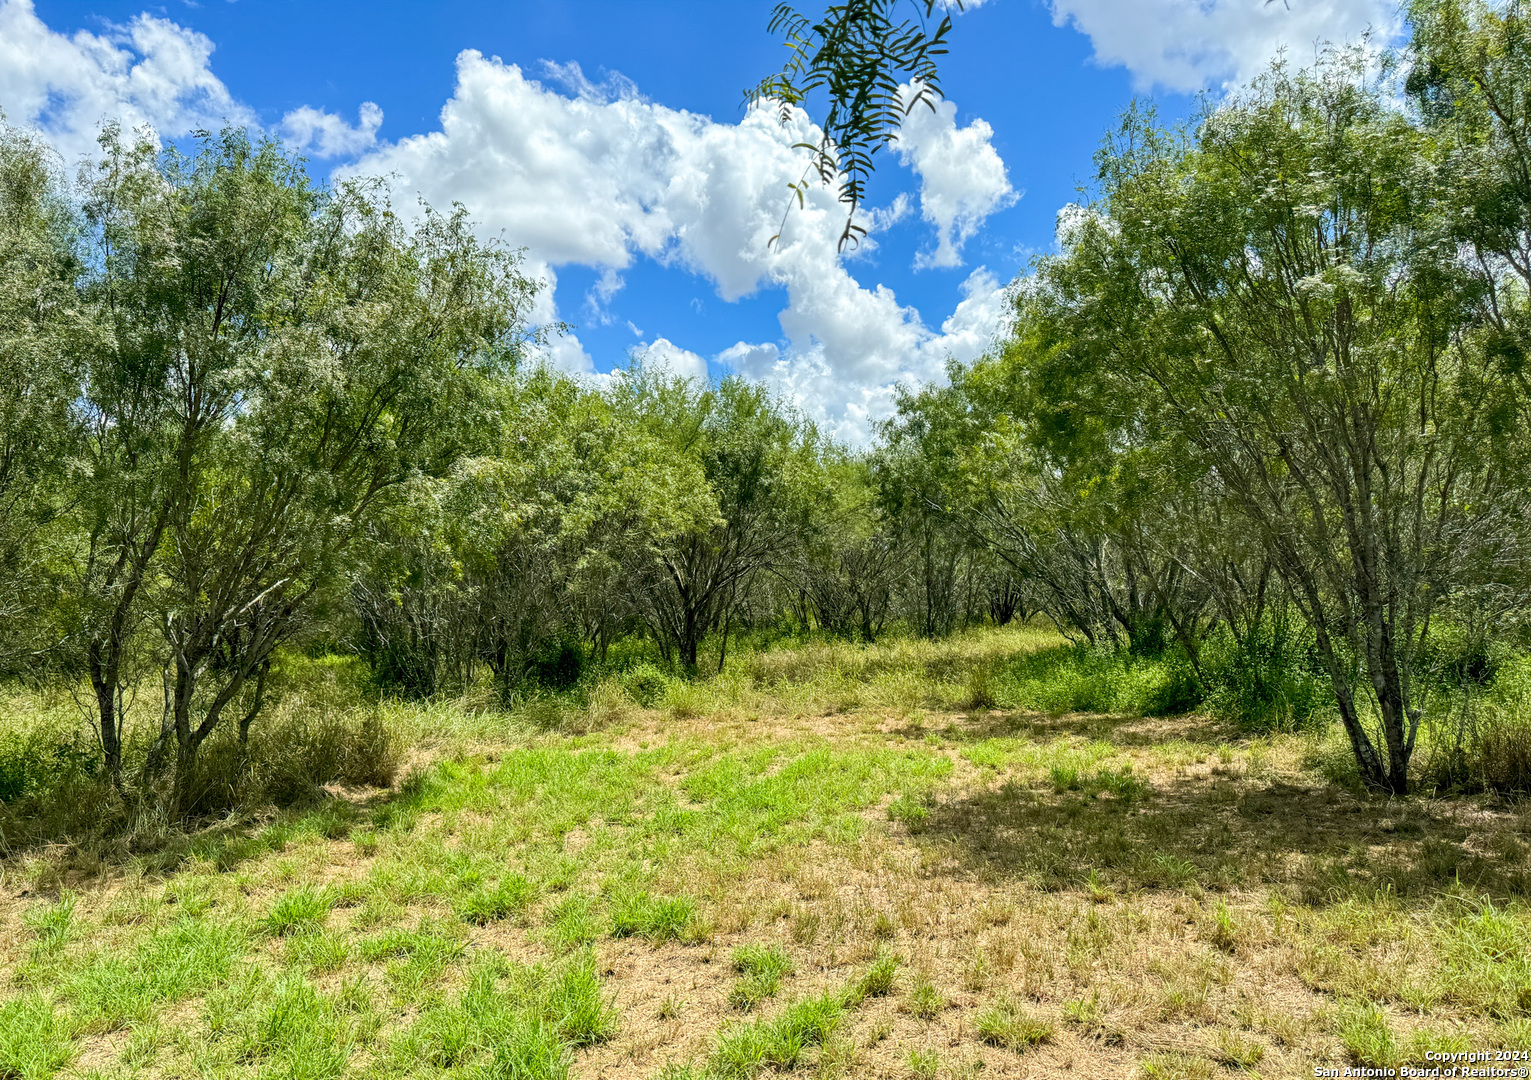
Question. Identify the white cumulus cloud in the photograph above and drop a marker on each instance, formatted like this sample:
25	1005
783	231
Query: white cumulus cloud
599	176
664	353
962	179
1187	45
327	135
148	72
811	372
592	174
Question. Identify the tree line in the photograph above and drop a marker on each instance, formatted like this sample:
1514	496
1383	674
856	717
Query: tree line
1267	404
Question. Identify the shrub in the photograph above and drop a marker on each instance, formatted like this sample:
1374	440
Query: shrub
1079	678
558	665
1269	683
1171	687
1485	742
292	755
1503	753
35	762
645	684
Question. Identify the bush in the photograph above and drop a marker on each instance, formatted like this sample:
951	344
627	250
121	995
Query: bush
1484	741
1269	683
1502	751
1081	678
645	683
36	762
291	756
558	665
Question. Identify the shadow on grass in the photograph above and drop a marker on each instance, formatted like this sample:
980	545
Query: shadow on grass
1119	729
1319	844
50	863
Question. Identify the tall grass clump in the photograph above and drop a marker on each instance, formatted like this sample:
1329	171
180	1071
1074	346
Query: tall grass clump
1084	678
1267	681
1483	740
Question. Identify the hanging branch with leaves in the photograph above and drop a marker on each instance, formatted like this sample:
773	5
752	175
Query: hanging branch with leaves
861	55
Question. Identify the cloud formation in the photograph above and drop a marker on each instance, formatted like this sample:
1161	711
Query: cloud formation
326	135
664	353
1188	45
149	72
590	174
600	176
962	179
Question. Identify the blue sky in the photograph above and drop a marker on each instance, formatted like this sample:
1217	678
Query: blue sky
608	138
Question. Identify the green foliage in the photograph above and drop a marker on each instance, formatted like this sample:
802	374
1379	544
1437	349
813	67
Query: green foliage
645	684
924	1064
761	488
300	1032
1487	954
911	813
520	1022
1079	678
530	1050
1268	681
38	762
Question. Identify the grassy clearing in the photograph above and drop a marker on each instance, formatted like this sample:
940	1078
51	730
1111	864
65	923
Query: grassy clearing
829	861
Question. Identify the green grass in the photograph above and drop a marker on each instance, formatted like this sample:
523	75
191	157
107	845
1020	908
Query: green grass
34	1039
299	911
658	918
1366	1035
51	924
811	848
747	1048
1005	1024
924	1000
877	981
761	969
1077	678
509	897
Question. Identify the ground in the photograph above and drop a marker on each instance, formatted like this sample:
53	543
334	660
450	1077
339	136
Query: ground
793	873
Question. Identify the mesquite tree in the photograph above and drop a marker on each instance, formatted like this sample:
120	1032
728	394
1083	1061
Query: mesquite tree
1281	292
275	360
